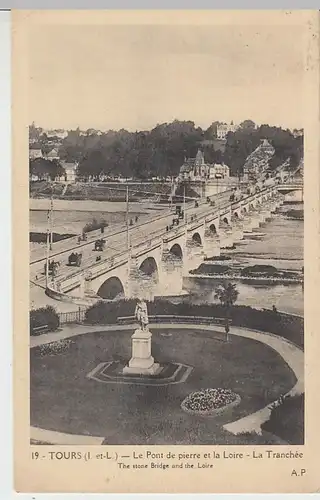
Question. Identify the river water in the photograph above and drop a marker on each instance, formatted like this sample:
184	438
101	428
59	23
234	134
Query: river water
280	246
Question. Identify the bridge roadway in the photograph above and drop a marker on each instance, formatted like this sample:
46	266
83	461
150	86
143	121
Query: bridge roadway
116	242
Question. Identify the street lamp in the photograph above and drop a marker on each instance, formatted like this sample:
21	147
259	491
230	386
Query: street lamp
127	217
48	248
51	217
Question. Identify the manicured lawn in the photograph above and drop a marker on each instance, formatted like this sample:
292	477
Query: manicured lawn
65	400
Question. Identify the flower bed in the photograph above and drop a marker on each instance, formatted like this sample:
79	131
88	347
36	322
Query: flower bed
207	402
56	347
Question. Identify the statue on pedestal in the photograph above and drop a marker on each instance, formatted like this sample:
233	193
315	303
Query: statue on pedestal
142	361
141	314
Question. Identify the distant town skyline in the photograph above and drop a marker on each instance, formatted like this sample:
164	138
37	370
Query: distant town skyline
136	76
53	129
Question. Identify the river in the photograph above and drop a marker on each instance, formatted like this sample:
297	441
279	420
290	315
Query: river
282	247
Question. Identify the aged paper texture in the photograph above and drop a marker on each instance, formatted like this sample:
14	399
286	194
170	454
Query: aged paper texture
166	251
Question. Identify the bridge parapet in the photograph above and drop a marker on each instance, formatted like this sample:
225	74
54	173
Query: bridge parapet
102	266
146	246
174	234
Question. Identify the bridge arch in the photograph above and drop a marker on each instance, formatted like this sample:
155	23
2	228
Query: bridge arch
111	289
244	210
176	251
149	267
213	228
196	238
225	220
236	214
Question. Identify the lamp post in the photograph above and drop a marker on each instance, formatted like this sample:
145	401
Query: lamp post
51	218
127	218
48	248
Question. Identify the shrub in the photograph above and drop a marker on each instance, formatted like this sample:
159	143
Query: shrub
45	316
210	269
285	325
259	269
287	420
108	312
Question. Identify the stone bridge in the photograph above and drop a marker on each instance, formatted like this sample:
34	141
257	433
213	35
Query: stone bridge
292	190
157	265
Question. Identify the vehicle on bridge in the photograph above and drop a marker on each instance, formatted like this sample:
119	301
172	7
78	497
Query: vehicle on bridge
75	259
179	212
52	267
99	245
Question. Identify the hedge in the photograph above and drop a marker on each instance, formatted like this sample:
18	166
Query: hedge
287	420
285	325
46	317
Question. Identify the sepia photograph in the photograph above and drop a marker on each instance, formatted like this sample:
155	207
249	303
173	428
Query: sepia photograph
171	278
166	235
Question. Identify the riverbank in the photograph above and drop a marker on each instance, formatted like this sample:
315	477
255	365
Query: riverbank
286	297
72	216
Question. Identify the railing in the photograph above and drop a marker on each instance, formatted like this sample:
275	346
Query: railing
143	247
172	318
72	317
107	263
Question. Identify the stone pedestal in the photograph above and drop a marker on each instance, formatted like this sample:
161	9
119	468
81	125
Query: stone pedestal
141	363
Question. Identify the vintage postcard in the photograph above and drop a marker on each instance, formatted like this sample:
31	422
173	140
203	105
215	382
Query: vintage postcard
166	251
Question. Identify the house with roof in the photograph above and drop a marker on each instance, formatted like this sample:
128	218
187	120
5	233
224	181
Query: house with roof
219	171
35	152
257	163
53	155
224	128
195	168
70	172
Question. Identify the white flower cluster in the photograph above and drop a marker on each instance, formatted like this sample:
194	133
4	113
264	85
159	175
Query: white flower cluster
207	401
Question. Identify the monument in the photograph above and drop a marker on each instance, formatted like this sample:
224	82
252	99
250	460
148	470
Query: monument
141	362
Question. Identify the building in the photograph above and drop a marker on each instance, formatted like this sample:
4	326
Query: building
35	152
257	163
194	169
219	171
53	155
70	175
224	128
59	134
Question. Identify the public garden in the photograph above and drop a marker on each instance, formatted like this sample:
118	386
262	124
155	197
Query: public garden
66	398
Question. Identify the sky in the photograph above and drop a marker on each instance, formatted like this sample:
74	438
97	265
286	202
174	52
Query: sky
134	77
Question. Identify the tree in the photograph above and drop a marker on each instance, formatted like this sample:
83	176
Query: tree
227	294
211	131
248	124
34	132
45	169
